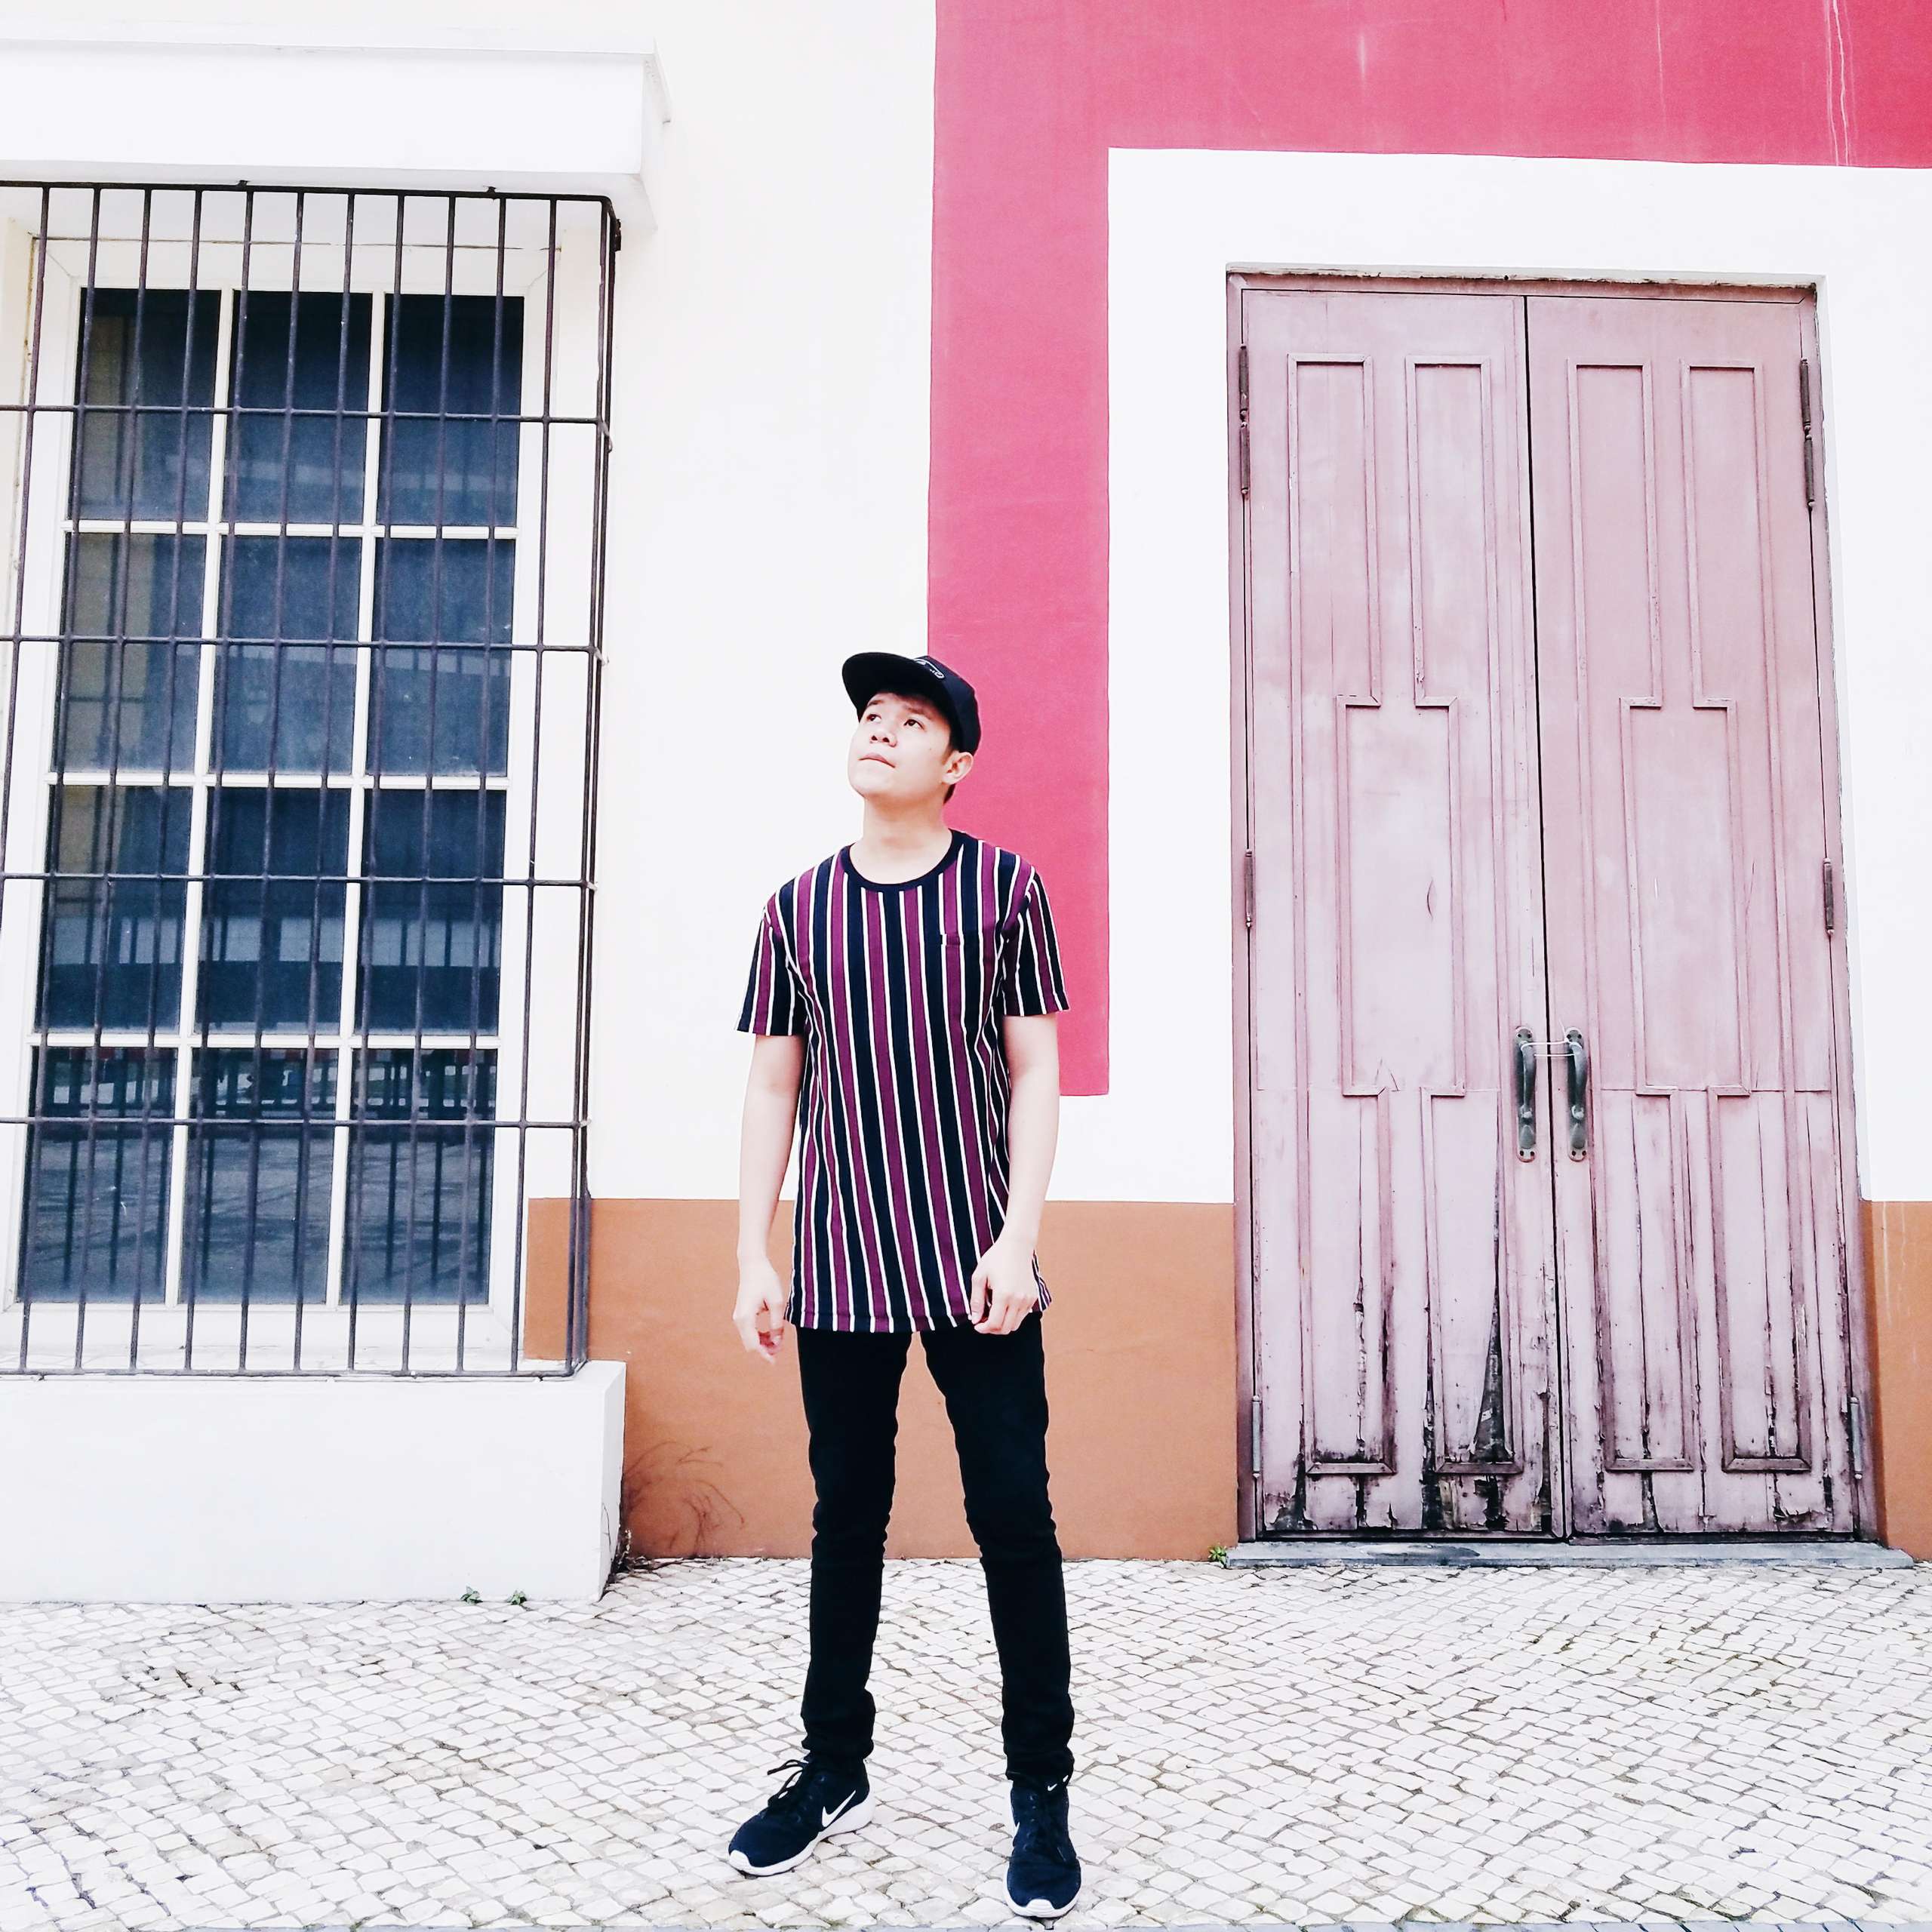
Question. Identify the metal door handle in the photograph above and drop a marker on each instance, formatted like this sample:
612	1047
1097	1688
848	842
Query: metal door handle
1578	1056
1526	1095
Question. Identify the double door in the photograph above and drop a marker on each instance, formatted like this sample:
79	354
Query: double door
1546	1139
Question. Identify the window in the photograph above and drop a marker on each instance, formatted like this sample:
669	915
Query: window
299	798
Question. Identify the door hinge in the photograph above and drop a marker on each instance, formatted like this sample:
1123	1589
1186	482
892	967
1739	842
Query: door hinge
1855	1433
1804	423
1241	406
1254	1437
1247	888
1831	900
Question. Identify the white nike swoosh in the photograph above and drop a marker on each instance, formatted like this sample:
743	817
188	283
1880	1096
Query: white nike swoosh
839	1811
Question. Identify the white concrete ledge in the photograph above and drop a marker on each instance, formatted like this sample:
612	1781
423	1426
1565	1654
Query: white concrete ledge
1302	1552
293	1489
168	107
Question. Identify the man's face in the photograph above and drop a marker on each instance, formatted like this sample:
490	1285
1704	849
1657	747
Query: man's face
901	750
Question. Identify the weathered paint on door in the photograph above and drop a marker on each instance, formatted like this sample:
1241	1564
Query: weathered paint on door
1405	1249
1422	1291
1685	841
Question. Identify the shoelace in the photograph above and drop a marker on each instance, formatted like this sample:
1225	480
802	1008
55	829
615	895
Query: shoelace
791	1795
1042	1828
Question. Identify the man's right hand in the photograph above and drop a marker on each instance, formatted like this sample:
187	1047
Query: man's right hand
759	1315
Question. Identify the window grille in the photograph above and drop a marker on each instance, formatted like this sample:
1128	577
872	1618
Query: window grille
298	794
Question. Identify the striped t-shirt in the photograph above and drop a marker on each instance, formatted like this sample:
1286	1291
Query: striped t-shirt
900	990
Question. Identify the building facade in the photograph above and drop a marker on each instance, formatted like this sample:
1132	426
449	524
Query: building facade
1430	502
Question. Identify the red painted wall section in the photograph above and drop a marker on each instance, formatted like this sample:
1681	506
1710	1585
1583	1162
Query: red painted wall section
1029	97
1017	546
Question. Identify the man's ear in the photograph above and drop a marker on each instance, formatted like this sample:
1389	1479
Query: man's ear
957	764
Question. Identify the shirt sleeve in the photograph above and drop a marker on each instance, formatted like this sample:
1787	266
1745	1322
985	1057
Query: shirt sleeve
1030	978
772	1003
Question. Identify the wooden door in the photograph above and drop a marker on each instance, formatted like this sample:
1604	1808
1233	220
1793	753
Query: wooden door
1702	1243
1403	1248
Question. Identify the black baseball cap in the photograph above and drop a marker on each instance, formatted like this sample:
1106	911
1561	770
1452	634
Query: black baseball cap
868	672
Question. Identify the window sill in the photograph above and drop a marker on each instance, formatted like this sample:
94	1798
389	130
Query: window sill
109	1342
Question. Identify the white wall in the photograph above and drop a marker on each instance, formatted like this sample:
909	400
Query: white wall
1179	222
308	1489
768	516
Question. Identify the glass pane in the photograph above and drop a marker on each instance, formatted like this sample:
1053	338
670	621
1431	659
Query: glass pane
474	462
149	465
433	955
419	1203
113	947
303	695
458	591
120	585
258	1176
96	1209
271	945
293	588
319	456
129	704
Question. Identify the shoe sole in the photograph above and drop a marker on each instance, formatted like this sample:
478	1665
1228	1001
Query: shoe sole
1041	1908
846	1821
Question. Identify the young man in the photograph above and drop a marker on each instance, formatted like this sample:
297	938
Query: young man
904	993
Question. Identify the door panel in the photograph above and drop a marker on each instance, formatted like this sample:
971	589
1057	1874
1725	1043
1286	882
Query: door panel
1403	1252
1701	1242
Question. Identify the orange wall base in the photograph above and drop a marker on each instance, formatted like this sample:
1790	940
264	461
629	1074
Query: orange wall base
1140	1359
1140	1362
1898	1249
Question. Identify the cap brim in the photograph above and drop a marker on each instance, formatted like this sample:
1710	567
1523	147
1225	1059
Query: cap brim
866	673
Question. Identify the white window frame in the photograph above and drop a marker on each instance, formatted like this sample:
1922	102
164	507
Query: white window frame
545	943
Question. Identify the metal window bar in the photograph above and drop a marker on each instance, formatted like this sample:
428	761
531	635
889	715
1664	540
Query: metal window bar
332	1035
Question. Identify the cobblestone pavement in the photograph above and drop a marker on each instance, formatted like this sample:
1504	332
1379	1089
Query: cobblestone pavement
1307	1746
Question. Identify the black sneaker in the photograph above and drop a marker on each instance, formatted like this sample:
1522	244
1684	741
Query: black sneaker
1043	1875
817	1800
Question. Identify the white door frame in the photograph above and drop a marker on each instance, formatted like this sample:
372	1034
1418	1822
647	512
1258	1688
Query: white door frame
1180	220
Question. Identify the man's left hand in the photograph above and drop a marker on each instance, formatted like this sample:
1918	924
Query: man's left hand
1004	1290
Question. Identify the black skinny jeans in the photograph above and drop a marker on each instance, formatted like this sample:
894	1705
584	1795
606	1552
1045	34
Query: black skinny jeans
995	1387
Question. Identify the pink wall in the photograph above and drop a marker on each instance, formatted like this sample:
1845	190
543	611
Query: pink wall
1029	95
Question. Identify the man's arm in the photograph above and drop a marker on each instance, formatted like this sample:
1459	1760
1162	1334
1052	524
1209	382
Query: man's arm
1004	1290
764	1148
